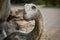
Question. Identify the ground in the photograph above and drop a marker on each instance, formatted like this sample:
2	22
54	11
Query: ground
51	18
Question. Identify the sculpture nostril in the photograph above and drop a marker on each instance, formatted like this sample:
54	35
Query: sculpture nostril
33	7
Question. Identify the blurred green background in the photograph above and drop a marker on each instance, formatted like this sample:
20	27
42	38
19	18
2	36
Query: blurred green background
48	3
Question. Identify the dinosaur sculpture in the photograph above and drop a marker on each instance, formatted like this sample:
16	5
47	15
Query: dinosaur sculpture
31	12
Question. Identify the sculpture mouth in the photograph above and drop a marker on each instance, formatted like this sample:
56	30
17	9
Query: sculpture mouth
27	19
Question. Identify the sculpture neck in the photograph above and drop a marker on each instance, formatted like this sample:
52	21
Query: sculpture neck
39	23
38	29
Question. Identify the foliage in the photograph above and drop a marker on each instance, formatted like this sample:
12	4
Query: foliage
46	2
52	3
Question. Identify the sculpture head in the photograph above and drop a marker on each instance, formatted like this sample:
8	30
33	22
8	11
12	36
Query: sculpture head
30	11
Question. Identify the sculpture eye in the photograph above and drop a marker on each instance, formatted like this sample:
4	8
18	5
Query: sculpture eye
33	7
